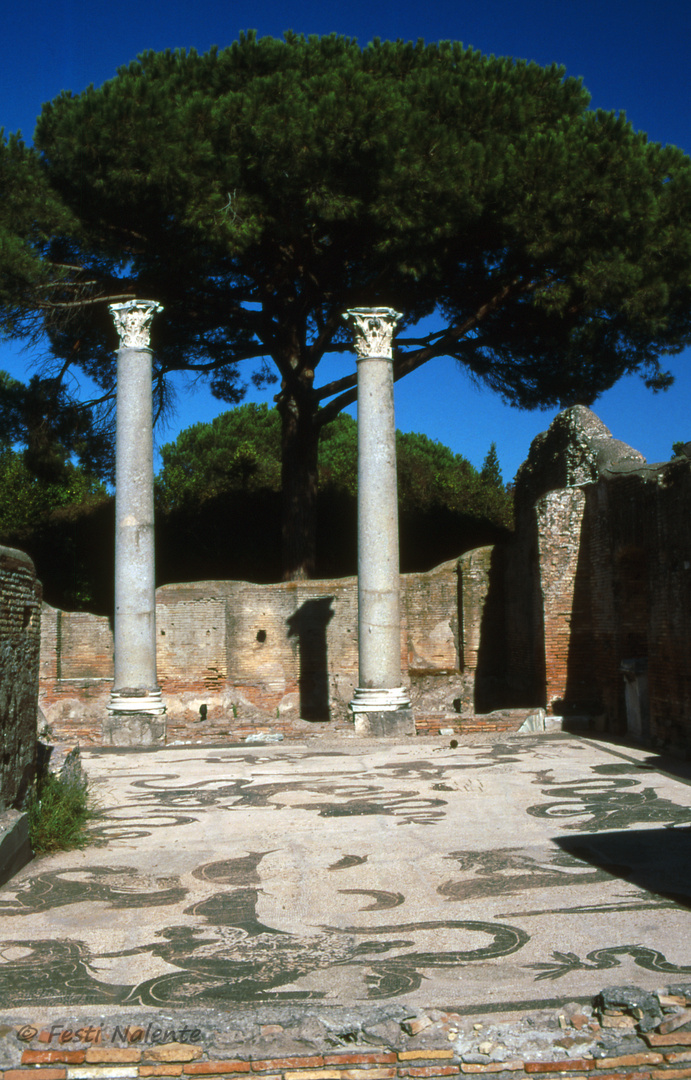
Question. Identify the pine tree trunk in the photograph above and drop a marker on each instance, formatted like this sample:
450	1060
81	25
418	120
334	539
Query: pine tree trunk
300	482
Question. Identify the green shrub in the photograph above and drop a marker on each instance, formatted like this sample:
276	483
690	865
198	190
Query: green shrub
59	811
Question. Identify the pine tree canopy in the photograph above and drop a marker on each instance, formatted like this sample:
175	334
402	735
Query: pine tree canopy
491	469
260	190
241	450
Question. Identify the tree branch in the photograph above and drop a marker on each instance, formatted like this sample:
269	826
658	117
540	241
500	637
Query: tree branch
336	386
85	303
330	411
84	405
213	365
407	362
330	327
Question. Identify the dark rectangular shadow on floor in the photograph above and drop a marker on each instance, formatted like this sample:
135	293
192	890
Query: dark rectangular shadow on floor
657	860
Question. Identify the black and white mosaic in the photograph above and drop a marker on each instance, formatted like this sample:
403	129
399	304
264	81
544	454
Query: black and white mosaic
236	876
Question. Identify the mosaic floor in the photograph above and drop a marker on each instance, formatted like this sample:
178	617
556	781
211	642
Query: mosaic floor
513	872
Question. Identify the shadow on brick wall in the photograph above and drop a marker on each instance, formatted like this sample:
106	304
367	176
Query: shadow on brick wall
491	690
308	624
610	616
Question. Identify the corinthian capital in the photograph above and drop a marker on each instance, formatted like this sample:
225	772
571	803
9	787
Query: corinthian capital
133	322
373	330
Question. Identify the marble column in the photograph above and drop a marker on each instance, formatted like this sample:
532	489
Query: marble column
135	688
380	703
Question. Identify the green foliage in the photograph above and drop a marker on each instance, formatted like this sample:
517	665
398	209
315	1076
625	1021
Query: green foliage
491	469
430	474
260	191
59	813
31	213
202	463
236	535
678	448
73	550
44	418
44	495
238	450
338	455
26	500
313	168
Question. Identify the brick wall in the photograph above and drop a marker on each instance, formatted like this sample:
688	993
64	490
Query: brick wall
482	617
255	653
640	582
564	615
20	629
75	646
548	581
525	652
599	573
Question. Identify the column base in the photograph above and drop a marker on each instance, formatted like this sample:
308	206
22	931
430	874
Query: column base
391	724
134	729
138	702
387	699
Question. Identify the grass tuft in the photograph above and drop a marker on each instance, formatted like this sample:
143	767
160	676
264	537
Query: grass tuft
58	812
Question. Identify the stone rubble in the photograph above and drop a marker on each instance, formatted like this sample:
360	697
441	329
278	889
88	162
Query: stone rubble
307	1043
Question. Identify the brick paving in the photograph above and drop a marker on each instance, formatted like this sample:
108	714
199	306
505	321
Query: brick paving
190	1059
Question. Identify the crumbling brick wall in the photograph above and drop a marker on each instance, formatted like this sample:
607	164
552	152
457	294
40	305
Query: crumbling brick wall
483	638
20	635
287	649
293	643
563	607
599	574
75	646
640	588
525	652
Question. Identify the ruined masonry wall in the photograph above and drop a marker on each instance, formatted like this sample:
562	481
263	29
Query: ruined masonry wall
614	575
559	521
482	612
289	650
267	641
640	583
598	574
525	653
75	646
474	568
20	630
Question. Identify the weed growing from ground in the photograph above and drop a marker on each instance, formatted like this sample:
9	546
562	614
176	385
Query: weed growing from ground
59	812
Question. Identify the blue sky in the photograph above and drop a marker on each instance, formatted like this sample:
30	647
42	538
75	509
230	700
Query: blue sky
633	55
